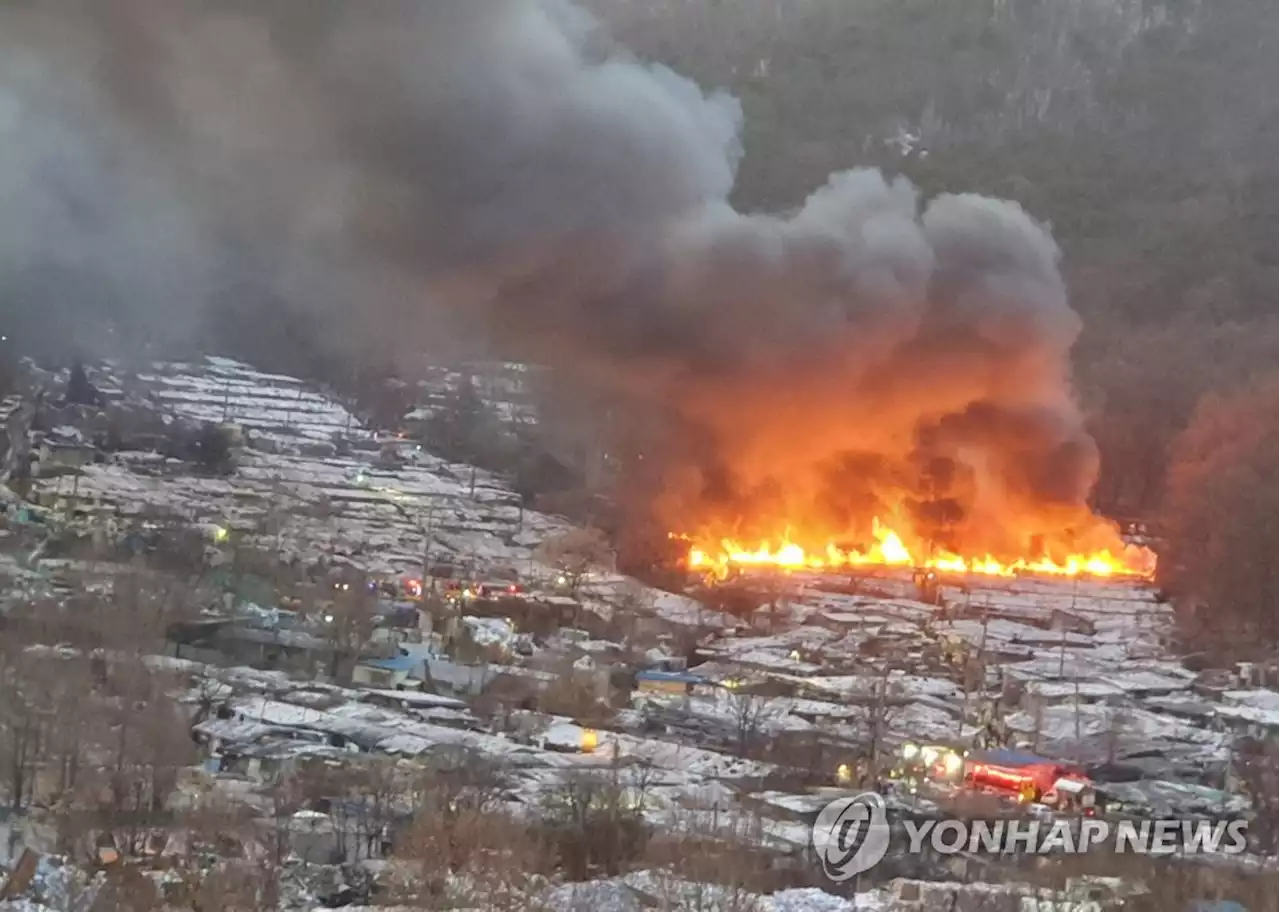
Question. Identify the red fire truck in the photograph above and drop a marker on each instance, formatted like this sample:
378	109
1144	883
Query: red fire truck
1027	776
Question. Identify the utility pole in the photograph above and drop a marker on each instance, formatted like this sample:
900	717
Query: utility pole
75	493
355	384
1062	655
878	725
980	665
426	553
1077	712
288	415
986	618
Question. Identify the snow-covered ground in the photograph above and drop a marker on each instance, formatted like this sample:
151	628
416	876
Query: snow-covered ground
221	390
384	506
1086	666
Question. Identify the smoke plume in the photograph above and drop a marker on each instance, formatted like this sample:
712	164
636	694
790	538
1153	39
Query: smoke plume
400	170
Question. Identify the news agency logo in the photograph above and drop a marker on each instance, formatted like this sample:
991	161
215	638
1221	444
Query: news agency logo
1074	836
851	835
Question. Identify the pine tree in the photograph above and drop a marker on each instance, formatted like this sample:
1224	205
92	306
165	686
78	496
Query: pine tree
79	390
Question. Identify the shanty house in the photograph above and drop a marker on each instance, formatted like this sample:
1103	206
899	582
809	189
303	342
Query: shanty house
392	673
672	682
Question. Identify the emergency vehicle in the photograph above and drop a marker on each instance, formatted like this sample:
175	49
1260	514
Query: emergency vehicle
1029	777
1072	794
933	762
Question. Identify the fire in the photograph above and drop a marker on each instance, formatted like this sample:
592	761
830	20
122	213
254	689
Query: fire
719	556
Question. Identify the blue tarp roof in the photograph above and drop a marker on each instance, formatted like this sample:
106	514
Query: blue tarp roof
673	677
1218	905
1012	758
399	663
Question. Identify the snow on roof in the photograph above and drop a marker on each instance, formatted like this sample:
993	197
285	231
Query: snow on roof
848	617
1163	795
680	609
769	714
999	629
801	636
765	659
275	712
487	631
792	803
1249	713
1144	681
1265	700
564	735
684	757
1053	690
1061	666
233	729
415	698
1131	726
824	709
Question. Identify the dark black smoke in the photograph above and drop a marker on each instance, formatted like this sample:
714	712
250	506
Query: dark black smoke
405	172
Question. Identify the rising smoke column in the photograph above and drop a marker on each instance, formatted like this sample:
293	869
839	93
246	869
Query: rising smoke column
398	167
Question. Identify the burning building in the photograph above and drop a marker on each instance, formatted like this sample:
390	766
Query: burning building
872	378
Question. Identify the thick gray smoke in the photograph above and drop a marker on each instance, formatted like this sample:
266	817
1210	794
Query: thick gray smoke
399	169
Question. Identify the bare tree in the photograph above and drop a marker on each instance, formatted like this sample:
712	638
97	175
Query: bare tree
347	618
572	692
1119	730
634	602
593	824
749	711
574	553
224	865
1254	763
708	861
464	849
25	713
126	888
879	705
1220	530
973	676
139	743
366	793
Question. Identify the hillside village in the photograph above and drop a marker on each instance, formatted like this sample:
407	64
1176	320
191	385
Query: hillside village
327	646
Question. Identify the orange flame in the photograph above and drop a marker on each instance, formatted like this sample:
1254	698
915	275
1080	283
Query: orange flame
719	556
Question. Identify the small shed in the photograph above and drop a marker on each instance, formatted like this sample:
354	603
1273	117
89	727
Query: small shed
677	682
390	673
